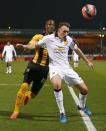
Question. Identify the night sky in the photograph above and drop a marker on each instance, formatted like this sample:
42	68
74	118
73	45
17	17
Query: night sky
31	14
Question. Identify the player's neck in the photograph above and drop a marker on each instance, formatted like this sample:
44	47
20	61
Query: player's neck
61	37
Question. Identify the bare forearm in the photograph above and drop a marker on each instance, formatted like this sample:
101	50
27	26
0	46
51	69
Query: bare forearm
28	46
81	54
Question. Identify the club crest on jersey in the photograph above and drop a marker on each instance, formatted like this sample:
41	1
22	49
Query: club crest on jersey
65	42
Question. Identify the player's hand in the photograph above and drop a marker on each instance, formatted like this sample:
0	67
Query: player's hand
90	64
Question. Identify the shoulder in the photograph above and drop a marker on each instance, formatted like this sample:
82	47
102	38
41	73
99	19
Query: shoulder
5	46
50	37
11	46
35	38
38	36
69	38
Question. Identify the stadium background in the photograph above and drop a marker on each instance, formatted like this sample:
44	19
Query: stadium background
91	41
20	20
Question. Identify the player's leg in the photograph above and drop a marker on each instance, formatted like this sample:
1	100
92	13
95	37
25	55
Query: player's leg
82	98
21	93
30	94
38	82
73	79
56	81
19	100
9	67
75	64
75	61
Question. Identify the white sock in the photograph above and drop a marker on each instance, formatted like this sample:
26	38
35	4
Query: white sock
9	69
82	100
59	100
75	64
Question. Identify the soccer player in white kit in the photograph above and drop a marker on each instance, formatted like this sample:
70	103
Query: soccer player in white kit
58	45
8	53
75	58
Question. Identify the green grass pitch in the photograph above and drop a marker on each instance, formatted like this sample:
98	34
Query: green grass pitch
41	113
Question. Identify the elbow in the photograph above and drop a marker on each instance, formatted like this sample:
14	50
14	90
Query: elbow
37	47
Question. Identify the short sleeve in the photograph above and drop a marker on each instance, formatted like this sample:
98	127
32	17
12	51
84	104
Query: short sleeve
72	43
36	38
43	41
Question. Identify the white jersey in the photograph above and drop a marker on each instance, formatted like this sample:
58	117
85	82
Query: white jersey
58	54
8	51
57	49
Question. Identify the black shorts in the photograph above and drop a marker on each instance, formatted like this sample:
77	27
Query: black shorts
37	74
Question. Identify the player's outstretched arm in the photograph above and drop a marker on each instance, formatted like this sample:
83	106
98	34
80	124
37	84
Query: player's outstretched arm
21	45
28	46
81	54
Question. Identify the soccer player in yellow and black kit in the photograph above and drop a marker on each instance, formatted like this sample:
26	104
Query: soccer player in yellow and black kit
36	71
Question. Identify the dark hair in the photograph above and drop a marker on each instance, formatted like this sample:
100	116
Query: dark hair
64	24
48	21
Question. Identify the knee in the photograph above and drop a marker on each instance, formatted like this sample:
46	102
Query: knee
56	81
57	86
24	87
84	91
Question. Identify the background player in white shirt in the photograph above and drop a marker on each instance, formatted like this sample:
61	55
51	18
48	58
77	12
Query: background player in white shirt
8	53
58	45
75	57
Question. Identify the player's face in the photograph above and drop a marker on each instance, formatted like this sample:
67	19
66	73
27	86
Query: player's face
8	43
50	26
63	31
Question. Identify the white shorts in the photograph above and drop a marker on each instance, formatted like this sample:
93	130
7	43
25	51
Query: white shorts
67	74
8	59
75	58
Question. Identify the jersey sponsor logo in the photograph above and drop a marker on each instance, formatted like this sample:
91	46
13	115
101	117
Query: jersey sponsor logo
59	50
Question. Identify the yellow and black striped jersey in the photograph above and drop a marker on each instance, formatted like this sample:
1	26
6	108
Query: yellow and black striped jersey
41	55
